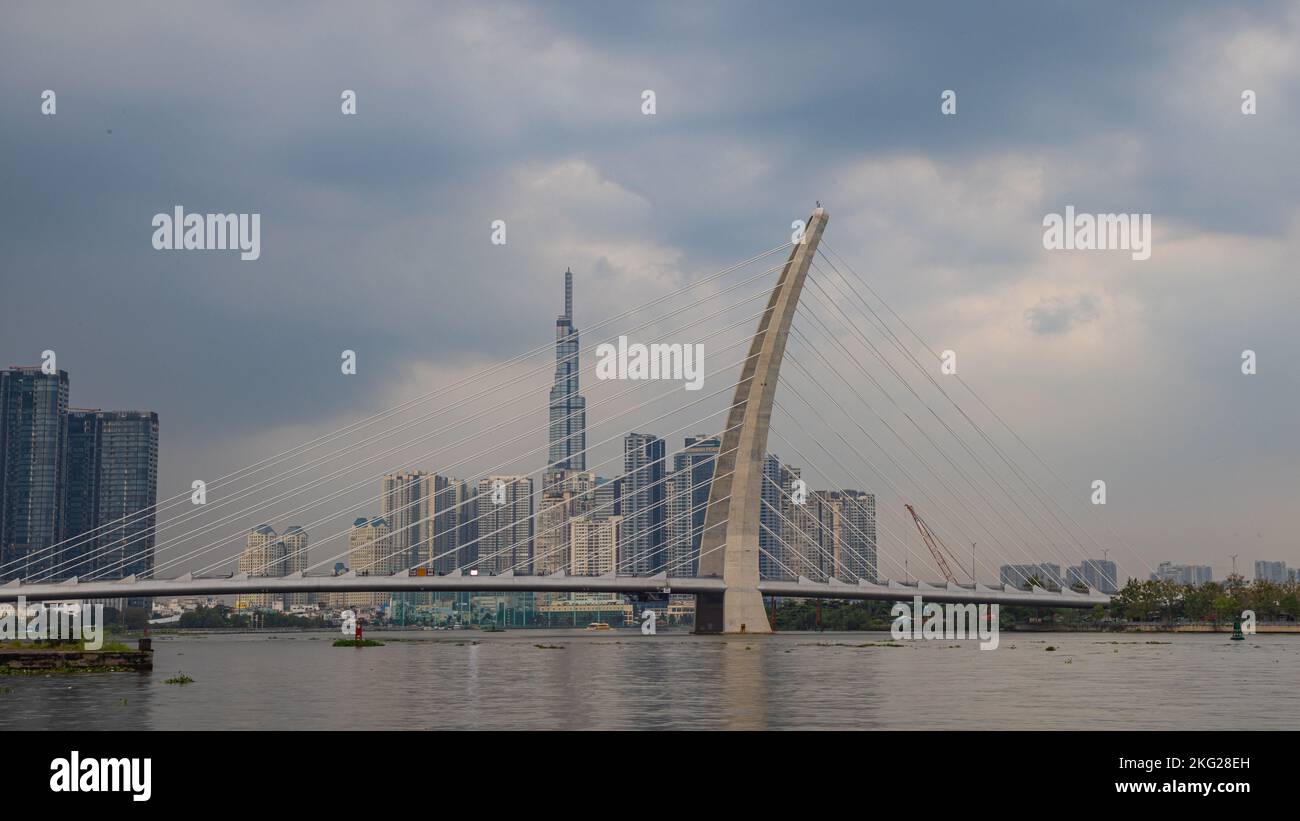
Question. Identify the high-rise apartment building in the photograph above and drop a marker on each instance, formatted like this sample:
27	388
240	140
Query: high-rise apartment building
855	534
406	504
505	524
371	552
641	545
33	439
810	535
687	501
444	527
111	491
294	541
1275	572
678	523
460	548
263	555
81	493
565	494
78	489
829	533
607	498
773	558
1183	574
593	544
1099	574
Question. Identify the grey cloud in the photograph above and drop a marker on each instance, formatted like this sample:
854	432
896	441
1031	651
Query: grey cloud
375	228
1057	315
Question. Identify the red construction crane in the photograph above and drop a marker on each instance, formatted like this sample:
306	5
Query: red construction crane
930	542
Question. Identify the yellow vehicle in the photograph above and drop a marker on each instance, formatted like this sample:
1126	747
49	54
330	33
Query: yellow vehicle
598	625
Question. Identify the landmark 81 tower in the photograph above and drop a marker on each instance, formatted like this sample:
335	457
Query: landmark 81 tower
568	410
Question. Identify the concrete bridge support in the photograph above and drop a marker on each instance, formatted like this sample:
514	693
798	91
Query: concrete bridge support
729	546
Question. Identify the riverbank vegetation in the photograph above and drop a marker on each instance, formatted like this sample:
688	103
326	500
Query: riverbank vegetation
64	646
1138	603
1213	602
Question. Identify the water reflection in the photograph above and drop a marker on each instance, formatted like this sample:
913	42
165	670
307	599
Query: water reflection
623	680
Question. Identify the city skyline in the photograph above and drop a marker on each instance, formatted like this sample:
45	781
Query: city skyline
726	367
406	512
1110	370
78	487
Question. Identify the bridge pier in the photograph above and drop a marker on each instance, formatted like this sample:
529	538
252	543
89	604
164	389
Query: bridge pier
729	547
735	611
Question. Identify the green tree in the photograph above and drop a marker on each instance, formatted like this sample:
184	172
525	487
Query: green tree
1225	607
1198	601
1291	605
1167	597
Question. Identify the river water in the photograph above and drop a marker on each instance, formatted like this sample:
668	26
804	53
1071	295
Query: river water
624	680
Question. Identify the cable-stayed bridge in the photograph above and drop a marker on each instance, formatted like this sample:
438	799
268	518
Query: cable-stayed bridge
748	532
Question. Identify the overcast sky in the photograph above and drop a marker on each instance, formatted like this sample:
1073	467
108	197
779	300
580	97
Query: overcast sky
375	231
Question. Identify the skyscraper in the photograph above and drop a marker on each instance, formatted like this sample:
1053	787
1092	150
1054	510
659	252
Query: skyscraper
593	544
88	479
33	438
406	505
677	522
774	495
111	492
568	409
505	524
1192	574
461	547
370	552
607	497
688	498
569	495
263	555
295	561
641	550
829	533
80	493
855	534
445	526
1099	573
1271	571
809	534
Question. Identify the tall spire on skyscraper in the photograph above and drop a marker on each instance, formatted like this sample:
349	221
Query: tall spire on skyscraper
568	295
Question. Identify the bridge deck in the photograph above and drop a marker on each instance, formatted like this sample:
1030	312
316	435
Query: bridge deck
560	583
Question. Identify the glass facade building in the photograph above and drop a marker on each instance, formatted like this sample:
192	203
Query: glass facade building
112	488
688	500
84	480
773	557
33	442
642	547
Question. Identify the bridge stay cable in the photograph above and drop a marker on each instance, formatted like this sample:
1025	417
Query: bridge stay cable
1026	476
375	418
376	457
360	483
606	441
920	487
498	445
899	539
1030	519
960	497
